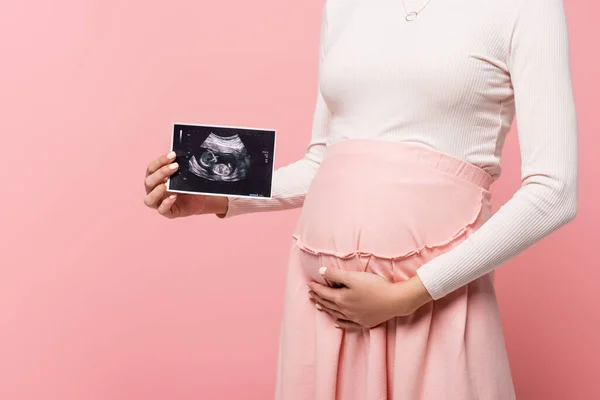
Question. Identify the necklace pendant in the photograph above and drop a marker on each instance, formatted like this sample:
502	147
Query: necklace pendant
411	16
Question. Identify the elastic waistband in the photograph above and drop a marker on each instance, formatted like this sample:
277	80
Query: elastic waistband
409	152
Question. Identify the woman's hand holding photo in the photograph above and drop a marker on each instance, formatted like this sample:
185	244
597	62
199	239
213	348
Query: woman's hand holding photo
172	205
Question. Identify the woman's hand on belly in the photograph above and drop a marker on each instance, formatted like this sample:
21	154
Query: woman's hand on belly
367	299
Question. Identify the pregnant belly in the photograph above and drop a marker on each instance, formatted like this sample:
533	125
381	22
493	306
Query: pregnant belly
378	219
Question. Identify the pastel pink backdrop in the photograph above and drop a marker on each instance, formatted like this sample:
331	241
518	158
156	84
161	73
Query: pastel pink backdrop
101	298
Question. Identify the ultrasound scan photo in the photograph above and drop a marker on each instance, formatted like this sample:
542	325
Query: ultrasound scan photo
223	160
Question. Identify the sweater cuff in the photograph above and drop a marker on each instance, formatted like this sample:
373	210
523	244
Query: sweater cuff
236	207
246	205
436	278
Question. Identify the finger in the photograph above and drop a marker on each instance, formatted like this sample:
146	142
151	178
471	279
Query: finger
166	206
159	176
325	292
335	285
156	196
327	303
335	314
349	325
159	162
335	275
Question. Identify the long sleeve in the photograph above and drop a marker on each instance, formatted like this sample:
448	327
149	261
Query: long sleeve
291	182
539	66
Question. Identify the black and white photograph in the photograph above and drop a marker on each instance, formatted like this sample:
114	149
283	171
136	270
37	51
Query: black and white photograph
223	160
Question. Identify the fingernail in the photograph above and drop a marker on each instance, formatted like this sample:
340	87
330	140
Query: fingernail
172	196
322	270
308	286
337	326
319	306
173	166
171	155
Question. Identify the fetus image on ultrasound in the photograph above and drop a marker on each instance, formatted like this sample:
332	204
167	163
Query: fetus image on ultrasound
223	160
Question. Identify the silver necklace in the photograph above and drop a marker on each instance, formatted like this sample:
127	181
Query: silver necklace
411	16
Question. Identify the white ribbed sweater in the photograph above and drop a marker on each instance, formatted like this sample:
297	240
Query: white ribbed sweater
453	79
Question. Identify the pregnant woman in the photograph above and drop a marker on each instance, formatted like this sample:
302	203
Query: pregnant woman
389	290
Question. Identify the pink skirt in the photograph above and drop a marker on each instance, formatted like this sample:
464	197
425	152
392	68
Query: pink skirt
387	208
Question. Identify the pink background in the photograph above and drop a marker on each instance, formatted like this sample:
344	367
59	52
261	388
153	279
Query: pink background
101	298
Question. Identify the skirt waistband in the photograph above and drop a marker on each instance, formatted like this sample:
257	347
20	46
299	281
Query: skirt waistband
409	152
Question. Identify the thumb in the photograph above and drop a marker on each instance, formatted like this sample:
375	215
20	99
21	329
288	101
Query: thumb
335	275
